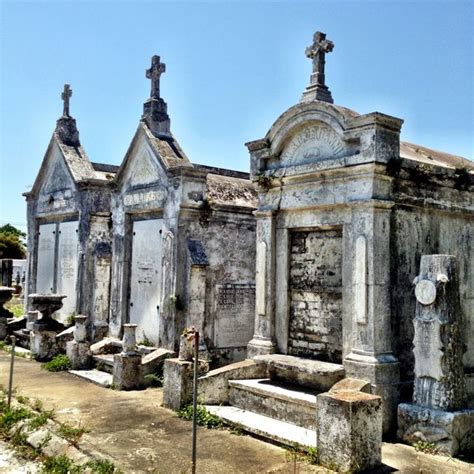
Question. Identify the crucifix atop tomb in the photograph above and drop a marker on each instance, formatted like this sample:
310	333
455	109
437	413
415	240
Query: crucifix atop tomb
155	110
65	96
317	90
154	73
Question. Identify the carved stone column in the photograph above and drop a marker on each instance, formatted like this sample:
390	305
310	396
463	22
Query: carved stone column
367	313
263	341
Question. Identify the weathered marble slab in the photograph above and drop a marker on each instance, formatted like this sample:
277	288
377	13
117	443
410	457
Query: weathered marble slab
46	258
145	282
235	310
67	266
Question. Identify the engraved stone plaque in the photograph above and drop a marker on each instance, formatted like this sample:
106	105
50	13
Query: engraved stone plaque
46	259
427	350
235	312
315	143
67	266
425	292
145	279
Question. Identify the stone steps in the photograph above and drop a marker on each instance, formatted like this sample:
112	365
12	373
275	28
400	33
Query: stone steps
314	374
105	362
264	426
275	400
98	377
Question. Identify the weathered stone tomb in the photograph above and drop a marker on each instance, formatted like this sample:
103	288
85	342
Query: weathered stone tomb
183	242
159	242
69	239
346	210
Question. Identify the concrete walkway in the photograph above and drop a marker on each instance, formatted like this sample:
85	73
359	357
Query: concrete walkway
141	436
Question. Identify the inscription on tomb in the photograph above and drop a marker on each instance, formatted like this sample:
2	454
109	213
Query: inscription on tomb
427	350
144	197
235	308
314	143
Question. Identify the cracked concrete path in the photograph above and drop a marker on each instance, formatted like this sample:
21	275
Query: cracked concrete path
133	429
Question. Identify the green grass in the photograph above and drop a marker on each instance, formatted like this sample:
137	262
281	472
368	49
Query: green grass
204	417
58	363
72	433
16	309
102	466
59	465
426	447
153	380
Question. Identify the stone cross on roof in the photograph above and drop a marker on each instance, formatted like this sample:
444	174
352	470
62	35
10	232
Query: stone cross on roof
154	73
65	96
317	52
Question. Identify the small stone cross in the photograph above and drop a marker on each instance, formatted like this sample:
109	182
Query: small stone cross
154	73
317	52
65	96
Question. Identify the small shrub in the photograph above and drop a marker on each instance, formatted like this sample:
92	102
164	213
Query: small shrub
102	466
16	309
9	417
37	405
153	380
59	465
23	400
71	433
146	342
204	417
41	419
296	453
58	363
426	447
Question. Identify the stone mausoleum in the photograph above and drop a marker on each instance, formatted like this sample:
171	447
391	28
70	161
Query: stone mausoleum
159	242
346	210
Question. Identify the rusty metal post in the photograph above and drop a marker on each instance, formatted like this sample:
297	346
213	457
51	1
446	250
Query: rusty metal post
195	382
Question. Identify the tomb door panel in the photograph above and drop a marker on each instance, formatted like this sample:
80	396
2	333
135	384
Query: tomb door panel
46	259
315	287
145	278
68	252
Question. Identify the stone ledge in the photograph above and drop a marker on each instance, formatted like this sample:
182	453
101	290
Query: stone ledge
451	432
305	372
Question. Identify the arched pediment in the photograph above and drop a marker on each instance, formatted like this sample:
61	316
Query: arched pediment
314	142
308	133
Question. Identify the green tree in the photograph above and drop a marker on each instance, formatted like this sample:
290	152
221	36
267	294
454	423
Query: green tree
11	245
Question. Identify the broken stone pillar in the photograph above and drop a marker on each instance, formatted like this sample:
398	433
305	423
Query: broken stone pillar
438	413
31	318
178	382
178	373
349	430
127	371
78	350
43	342
6	272
5	296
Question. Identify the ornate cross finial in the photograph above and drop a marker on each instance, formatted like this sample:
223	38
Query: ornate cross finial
154	73
318	90
65	96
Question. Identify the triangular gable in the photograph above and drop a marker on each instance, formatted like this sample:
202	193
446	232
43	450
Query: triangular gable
75	163
147	151
141	167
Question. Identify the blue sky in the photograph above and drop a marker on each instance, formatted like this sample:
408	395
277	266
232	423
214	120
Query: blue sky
232	69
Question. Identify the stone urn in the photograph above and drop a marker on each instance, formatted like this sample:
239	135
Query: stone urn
129	341
186	345
5	296
47	305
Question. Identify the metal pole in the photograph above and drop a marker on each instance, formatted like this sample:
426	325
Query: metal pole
195	382
12	361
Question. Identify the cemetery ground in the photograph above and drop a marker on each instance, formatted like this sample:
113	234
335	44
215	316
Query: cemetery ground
132	430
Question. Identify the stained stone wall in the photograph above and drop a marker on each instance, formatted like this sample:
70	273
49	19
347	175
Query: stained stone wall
315	327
